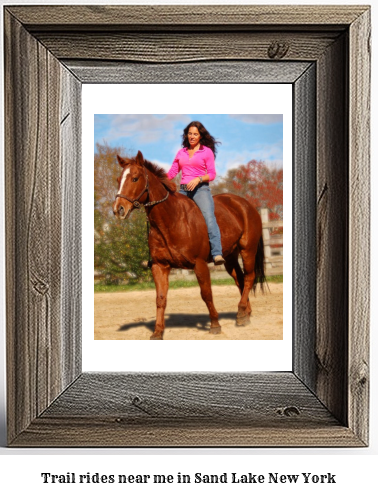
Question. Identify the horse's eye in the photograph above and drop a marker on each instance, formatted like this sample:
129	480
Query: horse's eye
135	179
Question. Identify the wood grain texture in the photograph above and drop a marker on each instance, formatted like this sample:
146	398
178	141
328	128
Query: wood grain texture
186	47
197	409
34	195
139	17
359	226
100	432
71	262
332	230
192	396
323	402
198	72
33	227
304	227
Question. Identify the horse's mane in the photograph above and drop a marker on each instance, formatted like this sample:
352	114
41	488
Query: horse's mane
161	174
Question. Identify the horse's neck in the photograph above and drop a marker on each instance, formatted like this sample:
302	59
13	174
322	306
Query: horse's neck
156	189
156	193
160	213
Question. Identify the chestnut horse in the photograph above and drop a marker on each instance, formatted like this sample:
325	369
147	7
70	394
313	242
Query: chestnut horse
178	236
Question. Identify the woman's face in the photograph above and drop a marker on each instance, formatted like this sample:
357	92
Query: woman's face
193	137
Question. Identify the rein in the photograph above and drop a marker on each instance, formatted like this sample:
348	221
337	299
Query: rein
136	203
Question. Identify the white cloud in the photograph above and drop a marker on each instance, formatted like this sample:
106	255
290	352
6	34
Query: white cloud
147	128
267	151
259	119
271	154
162	164
274	164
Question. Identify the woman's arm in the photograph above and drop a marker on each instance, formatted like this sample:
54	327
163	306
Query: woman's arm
194	182
175	168
210	164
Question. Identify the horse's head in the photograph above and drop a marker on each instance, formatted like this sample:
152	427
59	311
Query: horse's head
132	186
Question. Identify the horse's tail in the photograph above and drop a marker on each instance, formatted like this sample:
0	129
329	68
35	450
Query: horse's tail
259	267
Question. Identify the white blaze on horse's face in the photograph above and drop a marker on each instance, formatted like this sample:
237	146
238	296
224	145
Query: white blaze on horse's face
124	175
122	208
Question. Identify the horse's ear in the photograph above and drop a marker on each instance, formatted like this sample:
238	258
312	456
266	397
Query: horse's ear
139	159
121	161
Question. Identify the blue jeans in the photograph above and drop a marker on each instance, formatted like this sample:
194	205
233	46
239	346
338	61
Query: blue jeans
201	195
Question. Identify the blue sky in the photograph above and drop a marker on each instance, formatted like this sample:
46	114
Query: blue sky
243	137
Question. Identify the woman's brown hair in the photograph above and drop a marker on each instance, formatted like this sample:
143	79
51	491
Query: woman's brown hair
206	138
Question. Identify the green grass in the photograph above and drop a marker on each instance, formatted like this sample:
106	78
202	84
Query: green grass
172	285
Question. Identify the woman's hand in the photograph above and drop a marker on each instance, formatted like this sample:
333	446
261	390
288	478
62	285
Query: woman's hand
193	183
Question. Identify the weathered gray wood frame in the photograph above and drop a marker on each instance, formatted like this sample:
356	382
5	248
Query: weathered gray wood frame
324	52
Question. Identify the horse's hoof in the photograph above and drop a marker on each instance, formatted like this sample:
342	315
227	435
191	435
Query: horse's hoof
156	336
215	330
243	320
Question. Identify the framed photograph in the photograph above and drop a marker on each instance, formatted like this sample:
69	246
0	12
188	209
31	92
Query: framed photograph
125	296
323	53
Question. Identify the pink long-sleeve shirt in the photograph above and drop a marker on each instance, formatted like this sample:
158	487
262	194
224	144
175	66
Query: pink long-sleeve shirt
201	163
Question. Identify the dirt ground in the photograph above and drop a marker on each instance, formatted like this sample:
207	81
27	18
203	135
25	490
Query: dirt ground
131	315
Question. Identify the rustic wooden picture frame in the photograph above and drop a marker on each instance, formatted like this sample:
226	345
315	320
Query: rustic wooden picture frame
324	53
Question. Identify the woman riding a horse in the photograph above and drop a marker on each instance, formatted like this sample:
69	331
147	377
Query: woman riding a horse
196	162
178	236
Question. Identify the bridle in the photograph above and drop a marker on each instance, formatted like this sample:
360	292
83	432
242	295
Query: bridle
136	202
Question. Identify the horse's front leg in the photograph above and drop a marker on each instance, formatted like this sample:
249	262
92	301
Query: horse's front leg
203	276
160	274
